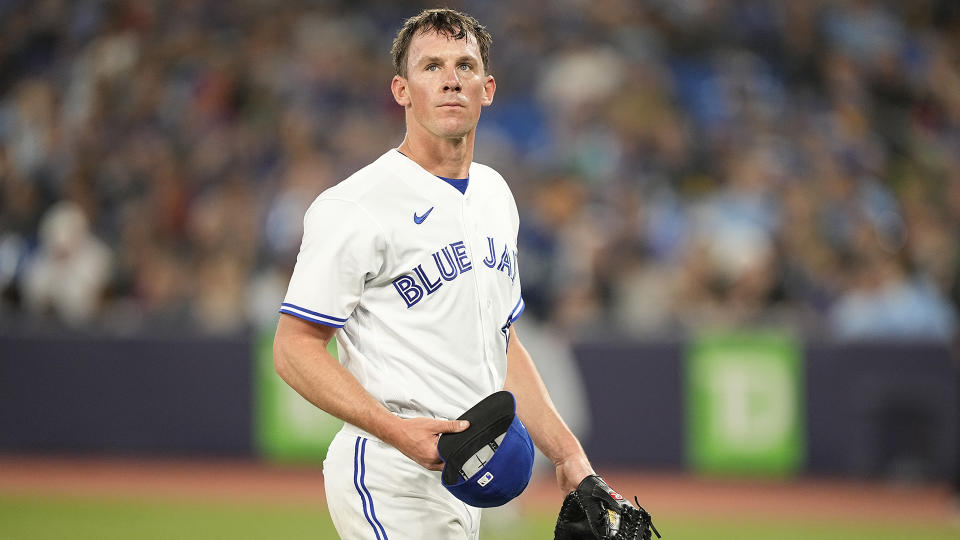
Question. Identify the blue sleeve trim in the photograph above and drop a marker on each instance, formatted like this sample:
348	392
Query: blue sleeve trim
517	310
314	313
311	319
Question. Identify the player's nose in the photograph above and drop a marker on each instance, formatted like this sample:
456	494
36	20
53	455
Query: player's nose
452	82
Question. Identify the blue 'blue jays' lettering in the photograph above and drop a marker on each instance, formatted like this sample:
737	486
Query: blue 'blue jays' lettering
508	259
451	261
506	262
460	252
491	259
430	287
408	289
447	275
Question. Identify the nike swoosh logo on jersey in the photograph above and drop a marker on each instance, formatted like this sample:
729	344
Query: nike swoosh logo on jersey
419	219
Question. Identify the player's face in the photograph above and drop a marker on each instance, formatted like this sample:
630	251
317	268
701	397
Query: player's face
446	85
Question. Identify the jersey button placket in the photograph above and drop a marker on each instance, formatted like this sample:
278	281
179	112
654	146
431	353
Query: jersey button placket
470	231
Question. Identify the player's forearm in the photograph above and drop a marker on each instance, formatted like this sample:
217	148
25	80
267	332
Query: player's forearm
537	411
302	361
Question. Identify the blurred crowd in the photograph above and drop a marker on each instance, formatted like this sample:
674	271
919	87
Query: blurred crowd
679	164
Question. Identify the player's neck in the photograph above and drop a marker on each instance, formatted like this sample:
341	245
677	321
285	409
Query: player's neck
449	158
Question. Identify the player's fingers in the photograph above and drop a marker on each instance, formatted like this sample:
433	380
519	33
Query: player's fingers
431	459
452	426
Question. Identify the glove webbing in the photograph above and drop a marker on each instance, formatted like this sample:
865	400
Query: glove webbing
644	518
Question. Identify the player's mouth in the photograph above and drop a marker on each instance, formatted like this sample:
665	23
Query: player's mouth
451	106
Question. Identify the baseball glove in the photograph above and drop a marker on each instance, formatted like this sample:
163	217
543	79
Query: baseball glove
594	510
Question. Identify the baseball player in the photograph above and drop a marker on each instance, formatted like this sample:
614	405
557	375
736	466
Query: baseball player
412	263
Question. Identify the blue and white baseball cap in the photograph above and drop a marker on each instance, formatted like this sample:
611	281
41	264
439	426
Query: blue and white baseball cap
490	462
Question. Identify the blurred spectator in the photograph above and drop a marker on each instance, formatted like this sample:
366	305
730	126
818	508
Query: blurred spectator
678	165
884	302
68	274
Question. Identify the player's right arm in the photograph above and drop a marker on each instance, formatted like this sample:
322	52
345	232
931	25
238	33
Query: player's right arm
301	359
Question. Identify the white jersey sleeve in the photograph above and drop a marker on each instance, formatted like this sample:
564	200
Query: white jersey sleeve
342	247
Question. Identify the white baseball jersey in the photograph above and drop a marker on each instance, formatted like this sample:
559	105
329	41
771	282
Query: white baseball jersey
422	281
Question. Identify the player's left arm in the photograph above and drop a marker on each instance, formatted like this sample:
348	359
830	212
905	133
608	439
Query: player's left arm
537	412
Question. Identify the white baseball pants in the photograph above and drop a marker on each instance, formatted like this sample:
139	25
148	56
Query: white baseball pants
374	492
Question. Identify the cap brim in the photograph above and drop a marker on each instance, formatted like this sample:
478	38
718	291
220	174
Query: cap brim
489	419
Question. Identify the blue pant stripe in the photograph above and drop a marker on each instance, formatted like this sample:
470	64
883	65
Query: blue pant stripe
363	470
357	478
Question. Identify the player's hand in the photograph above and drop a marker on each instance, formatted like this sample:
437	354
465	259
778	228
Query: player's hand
571	471
417	439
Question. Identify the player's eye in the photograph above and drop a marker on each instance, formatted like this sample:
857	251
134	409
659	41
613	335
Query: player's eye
464	67
433	67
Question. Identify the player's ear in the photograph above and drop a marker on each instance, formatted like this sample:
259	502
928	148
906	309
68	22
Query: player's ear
489	88
399	88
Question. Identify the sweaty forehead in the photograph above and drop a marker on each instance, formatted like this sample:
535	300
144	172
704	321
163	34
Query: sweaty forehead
430	43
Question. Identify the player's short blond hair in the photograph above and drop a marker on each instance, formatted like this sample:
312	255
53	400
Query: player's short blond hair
443	21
